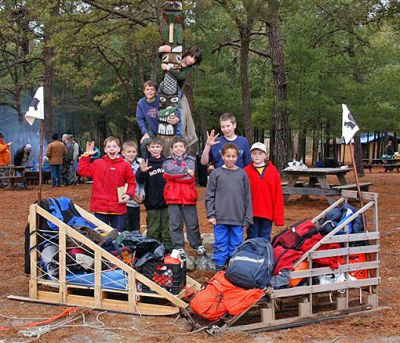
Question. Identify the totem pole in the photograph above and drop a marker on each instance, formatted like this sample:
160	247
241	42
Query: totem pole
171	55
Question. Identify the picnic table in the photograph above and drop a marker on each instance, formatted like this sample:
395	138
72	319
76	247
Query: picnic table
318	183
388	164
8	175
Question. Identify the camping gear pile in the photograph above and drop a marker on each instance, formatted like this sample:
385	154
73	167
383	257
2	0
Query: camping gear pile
148	256
257	264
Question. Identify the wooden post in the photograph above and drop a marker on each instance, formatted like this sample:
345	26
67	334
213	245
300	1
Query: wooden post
33	286
357	183
41	152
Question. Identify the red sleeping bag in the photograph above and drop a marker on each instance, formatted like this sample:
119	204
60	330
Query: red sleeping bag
220	296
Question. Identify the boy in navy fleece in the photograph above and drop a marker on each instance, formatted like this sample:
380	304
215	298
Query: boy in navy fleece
150	174
212	150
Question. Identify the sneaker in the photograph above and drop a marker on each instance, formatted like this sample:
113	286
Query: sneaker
201	250
182	255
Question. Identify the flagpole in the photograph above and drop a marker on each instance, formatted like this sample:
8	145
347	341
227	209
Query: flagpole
357	182
41	154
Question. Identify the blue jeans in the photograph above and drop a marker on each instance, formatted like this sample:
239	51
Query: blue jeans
261	228
55	171
116	221
227	238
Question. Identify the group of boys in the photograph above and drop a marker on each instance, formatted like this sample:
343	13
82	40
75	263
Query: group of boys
243	192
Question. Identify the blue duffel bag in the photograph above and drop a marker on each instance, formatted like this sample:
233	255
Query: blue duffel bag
252	264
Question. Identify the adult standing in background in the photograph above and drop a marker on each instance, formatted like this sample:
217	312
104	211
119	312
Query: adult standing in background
67	168
5	155
55	152
75	158
21	157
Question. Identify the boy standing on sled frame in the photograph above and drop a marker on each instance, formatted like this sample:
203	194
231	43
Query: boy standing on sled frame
108	173
266	193
181	197
228	203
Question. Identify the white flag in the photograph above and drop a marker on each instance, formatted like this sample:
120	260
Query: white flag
349	125
36	108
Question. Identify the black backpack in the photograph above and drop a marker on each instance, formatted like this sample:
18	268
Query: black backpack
252	264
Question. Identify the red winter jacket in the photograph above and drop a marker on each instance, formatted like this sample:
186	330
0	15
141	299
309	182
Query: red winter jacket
107	176
266	193
180	187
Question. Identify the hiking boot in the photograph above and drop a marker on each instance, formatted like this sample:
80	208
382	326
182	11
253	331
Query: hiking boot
201	250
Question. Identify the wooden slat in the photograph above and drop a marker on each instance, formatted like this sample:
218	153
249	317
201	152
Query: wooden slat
308	191
62	263
331	207
354	237
90	217
344	251
370	196
33	254
327	270
97	279
304	290
334	231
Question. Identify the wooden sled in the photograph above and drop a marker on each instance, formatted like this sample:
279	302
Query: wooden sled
313	303
98	296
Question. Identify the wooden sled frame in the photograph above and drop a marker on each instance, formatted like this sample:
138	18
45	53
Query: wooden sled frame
160	302
304	305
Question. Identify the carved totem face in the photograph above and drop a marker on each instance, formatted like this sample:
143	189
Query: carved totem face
167	101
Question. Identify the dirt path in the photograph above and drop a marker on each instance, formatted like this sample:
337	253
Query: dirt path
383	326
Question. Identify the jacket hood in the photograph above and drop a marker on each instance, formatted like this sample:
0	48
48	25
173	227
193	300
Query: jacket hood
118	159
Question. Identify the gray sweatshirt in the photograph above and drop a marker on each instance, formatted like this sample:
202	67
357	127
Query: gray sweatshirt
228	197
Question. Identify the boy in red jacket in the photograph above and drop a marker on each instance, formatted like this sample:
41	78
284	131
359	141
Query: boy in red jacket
108	173
180	195
266	193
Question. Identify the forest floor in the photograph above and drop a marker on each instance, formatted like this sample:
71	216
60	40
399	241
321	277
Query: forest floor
381	326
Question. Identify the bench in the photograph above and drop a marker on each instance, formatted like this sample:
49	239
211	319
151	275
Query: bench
10	180
364	186
391	166
299	183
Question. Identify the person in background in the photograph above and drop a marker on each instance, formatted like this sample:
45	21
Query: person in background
389	149
56	151
266	193
75	157
67	170
5	155
21	157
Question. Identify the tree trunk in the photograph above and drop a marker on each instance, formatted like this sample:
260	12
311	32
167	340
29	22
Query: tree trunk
301	148
245	32
283	152
49	117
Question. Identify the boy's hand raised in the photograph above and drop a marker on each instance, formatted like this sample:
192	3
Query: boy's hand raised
211	138
144	167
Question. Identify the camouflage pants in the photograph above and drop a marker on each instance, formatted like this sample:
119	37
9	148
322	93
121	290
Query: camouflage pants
68	175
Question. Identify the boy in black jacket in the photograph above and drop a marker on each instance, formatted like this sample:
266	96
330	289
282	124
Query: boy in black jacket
151	175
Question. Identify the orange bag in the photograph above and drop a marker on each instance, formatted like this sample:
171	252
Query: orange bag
220	296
